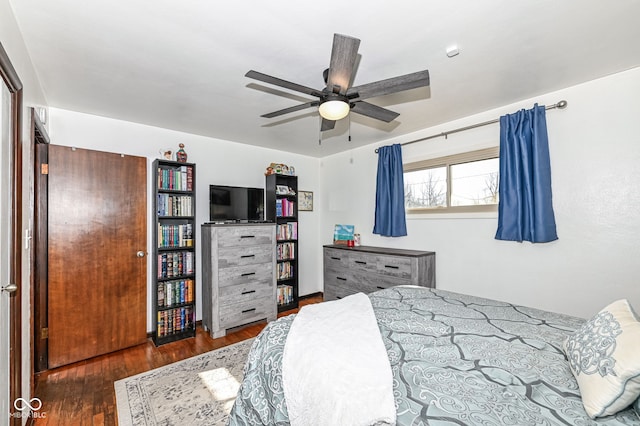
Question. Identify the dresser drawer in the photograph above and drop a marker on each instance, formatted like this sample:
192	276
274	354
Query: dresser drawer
244	312
353	281
336	291
233	294
245	274
244	255
245	236
362	262
394	266
336	259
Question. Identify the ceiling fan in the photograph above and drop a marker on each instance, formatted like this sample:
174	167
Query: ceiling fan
337	98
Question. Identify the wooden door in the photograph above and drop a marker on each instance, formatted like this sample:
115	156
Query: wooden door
97	257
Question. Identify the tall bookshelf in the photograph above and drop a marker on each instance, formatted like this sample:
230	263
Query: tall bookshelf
174	257
282	208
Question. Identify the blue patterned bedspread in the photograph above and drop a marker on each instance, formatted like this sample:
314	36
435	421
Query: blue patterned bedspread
456	360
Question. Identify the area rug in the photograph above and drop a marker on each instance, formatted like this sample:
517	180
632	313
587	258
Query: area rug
196	391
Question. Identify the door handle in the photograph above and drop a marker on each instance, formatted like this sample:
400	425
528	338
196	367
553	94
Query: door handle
10	288
140	253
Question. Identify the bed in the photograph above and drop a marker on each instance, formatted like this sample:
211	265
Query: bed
455	360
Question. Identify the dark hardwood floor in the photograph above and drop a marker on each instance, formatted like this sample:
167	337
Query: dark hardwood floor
83	394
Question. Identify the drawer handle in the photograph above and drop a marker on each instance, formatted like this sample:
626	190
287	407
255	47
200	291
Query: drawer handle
335	258
246	274
244	256
248	292
361	262
391	266
247	236
341	279
248	310
381	288
338	297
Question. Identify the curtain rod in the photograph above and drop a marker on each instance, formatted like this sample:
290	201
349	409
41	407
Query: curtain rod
559	105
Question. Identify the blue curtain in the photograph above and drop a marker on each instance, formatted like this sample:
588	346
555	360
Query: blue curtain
525	211
390	217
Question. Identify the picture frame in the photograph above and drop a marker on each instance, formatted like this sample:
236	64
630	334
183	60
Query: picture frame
282	190
342	234
305	201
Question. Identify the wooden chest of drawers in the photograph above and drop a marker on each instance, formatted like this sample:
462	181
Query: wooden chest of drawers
349	270
238	275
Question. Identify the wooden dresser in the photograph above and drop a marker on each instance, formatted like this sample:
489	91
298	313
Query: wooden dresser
238	275
349	270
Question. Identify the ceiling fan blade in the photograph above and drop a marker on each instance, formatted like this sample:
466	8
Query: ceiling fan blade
374	111
390	85
282	83
291	109
327	124
343	59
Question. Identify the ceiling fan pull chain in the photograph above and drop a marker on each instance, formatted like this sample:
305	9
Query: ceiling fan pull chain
320	133
349	127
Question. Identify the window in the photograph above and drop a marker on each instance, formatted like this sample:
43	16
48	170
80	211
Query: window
466	182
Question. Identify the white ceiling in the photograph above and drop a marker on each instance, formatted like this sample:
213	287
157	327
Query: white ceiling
181	64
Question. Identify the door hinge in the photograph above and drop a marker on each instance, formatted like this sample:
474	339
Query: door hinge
44	169
44	333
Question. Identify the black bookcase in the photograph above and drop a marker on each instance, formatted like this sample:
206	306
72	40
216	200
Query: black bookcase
282	208
174	257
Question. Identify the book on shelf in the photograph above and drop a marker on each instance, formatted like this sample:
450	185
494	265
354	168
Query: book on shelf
174	264
286	251
175	205
180	179
285	208
174	321
287	231
284	271
175	235
285	294
175	292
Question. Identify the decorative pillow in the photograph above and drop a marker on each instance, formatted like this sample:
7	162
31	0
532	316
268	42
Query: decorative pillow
603	356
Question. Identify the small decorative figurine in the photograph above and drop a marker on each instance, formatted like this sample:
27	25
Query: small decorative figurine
166	153
181	155
269	171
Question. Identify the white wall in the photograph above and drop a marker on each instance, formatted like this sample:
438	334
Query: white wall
595	160
32	95
217	162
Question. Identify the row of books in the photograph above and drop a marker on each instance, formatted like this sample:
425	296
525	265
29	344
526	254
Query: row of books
172	321
175	235
175	292
287	231
284	271
285	251
175	264
177	180
285	208
285	294
175	205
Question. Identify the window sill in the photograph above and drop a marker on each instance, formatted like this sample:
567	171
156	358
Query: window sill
451	215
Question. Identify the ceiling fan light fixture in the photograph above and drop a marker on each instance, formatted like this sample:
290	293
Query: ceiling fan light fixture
334	109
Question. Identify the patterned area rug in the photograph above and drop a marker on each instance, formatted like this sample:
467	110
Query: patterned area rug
196	391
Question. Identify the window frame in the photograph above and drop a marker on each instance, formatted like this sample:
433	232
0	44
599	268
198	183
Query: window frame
447	162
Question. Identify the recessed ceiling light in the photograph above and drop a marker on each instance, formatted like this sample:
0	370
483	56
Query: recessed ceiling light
452	51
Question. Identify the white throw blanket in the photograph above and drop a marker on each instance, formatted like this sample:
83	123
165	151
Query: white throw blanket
335	369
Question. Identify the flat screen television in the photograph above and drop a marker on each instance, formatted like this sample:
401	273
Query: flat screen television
235	204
